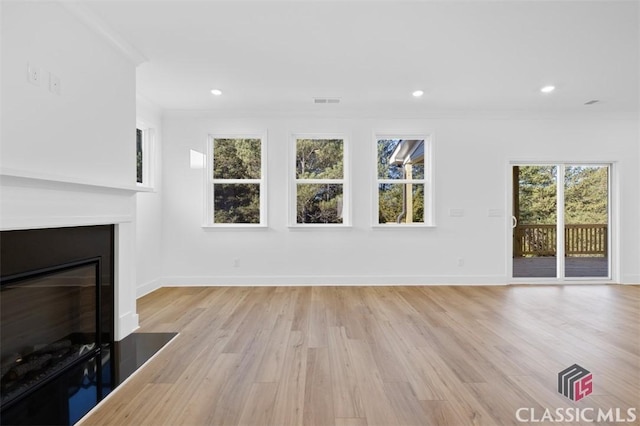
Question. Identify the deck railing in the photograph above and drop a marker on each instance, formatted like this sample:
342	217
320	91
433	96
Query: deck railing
541	240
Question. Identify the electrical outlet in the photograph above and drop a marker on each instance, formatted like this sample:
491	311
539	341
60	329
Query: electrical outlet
236	262
54	84
460	261
33	74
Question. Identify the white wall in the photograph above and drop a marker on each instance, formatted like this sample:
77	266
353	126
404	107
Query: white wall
149	208
471	173
69	159
81	132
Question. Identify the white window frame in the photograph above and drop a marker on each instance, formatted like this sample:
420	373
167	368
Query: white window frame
345	182
208	221
429	199
148	155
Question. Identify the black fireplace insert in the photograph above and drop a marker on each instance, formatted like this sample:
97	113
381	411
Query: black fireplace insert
50	321
56	323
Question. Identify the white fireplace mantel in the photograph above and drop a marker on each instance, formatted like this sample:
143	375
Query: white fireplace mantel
33	201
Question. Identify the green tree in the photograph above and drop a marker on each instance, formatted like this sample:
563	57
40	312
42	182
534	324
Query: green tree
586	195
319	159
236	159
537	186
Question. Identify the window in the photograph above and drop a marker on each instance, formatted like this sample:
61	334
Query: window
139	158
403	182
144	155
319	185
236	190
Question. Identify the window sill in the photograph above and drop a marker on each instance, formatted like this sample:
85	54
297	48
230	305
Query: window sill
145	188
318	226
234	227
395	226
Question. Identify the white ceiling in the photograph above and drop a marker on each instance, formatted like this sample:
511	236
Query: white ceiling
468	57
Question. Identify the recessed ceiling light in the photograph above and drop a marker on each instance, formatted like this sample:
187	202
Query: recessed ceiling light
417	93
216	92
548	89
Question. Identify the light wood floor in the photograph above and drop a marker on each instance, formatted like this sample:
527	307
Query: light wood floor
387	356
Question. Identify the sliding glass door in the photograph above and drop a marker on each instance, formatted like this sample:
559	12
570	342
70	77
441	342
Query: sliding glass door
561	221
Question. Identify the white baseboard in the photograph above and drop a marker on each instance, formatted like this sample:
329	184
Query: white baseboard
127	324
329	280
631	279
148	287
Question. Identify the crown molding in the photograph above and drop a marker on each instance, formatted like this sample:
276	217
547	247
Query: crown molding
100	27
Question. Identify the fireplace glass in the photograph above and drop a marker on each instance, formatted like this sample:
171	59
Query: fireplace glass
49	324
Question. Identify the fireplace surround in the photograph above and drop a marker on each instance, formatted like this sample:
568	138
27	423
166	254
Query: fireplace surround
57	327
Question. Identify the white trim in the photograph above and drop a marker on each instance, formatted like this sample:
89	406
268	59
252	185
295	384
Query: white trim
473	114
556	281
85	15
127	324
61	181
345	181
402	181
209	181
396	226
234	227
312	226
38	222
148	287
320	181
560	222
330	280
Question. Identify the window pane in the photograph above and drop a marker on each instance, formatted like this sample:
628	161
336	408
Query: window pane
586	221
236	203
535	236
236	159
319	203
400	203
319	159
400	159
139	155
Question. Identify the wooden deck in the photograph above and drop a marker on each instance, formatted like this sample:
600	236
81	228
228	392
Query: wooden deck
545	267
364	356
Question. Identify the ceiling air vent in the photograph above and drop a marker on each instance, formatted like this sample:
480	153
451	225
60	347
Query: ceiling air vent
591	102
326	100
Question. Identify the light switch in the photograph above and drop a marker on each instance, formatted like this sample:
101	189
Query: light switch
33	74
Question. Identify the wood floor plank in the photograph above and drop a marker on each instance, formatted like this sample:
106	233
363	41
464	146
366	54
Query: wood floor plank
350	421
318	319
318	395
288	407
346	392
201	408
259	406
359	356
376	404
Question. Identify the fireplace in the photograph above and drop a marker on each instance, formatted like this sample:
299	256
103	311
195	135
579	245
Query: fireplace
56	297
